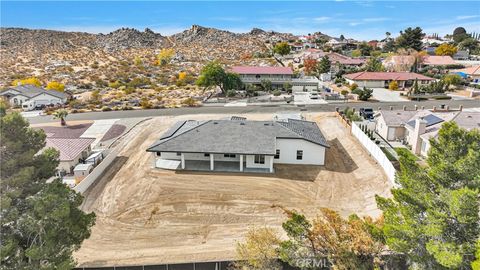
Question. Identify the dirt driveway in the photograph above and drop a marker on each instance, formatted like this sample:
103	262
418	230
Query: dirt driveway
152	216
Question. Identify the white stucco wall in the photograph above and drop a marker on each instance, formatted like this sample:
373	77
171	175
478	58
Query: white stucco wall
313	154
380	127
251	164
18	100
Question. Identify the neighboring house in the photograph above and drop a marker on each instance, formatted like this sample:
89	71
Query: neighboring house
461	55
336	42
472	72
239	145
437	60
382	79
72	152
415	128
305	84
31	96
399	63
335	58
254	75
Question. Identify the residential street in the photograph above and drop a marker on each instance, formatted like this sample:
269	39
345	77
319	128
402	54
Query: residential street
254	109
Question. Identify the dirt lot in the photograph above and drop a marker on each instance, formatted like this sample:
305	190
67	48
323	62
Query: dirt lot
151	216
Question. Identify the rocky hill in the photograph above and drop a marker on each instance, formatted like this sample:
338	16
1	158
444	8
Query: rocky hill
27	52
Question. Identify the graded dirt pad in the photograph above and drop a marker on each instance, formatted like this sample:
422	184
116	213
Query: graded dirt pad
153	216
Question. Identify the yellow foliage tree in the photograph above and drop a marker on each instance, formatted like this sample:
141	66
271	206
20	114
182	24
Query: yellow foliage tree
446	49
393	85
165	56
259	250
31	81
54	85
182	75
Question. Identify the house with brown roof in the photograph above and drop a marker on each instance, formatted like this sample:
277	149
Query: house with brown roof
437	60
383	79
72	152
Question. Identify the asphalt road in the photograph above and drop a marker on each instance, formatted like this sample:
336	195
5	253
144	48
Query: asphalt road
256	109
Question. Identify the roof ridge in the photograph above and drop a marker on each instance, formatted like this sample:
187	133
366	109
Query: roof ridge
185	132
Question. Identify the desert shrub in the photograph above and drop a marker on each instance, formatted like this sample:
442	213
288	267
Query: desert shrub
363	94
106	109
231	93
353	86
277	93
344	92
189	102
145	103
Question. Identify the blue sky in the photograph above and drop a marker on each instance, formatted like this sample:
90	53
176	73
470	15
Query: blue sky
357	19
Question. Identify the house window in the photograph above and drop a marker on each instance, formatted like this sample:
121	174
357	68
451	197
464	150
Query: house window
229	155
424	146
277	154
206	155
259	159
299	154
159	154
15	101
179	154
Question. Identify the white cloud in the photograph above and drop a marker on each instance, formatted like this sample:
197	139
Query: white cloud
322	19
466	17
354	23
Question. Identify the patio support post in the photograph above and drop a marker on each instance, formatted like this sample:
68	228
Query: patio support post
182	157
271	164
212	165
154	159
241	163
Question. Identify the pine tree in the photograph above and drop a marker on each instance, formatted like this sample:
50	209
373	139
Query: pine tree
41	224
433	217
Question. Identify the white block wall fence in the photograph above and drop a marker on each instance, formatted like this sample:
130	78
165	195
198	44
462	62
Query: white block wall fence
375	152
97	171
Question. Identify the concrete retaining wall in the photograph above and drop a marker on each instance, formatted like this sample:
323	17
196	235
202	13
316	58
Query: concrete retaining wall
97	171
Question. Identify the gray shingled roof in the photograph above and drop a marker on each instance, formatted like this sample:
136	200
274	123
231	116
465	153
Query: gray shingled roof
32	91
307	130
235	136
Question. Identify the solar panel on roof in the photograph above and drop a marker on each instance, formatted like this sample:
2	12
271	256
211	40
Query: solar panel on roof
432	120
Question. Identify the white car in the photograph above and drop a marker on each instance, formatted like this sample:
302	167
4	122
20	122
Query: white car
314	95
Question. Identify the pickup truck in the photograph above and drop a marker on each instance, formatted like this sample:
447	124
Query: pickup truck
366	113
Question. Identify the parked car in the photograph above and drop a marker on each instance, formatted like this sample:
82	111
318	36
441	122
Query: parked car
314	95
366	113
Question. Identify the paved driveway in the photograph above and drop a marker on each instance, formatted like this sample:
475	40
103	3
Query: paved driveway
303	98
382	94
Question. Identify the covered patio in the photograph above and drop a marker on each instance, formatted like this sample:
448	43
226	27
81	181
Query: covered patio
204	165
221	166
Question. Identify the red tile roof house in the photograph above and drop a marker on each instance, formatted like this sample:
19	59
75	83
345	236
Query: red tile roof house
382	79
253	75
72	148
437	60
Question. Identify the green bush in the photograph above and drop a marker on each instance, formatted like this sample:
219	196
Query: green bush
277	93
231	93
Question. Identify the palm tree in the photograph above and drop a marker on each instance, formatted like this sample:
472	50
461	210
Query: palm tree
61	114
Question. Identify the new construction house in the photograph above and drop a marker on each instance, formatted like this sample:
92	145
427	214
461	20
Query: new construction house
239	145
